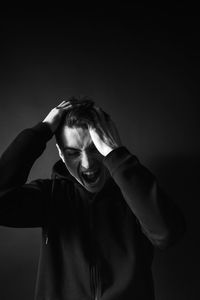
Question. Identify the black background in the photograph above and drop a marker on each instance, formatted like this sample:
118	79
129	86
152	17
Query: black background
141	64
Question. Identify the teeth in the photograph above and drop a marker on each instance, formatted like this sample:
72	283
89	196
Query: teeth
90	175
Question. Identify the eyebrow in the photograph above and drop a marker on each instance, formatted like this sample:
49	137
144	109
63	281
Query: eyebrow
71	148
76	149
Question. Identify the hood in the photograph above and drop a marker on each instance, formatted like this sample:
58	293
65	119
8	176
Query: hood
60	171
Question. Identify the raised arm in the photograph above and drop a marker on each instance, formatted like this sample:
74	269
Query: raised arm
160	219
23	204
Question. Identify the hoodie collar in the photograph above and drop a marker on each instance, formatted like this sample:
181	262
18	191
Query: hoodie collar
60	171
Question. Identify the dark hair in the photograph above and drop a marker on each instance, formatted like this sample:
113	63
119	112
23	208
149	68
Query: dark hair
80	115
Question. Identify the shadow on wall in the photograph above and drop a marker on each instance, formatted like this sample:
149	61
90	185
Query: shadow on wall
176	270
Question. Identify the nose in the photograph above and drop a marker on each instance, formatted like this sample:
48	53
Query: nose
87	161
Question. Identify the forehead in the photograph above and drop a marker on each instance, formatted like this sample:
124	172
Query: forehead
75	137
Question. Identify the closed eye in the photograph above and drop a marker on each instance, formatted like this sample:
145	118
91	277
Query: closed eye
71	152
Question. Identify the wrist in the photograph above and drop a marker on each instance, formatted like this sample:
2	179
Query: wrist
50	125
109	150
43	130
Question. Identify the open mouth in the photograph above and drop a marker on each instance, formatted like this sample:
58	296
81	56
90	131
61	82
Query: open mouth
91	177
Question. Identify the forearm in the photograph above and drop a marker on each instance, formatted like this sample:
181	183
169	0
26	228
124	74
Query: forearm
158	216
18	158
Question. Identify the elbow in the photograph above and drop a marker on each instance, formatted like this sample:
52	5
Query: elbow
170	237
162	242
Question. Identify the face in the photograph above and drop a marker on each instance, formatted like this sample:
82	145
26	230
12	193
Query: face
82	159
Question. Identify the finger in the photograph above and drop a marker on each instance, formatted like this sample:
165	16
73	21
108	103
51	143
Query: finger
70	106
72	102
66	102
103	121
61	104
94	135
107	128
64	105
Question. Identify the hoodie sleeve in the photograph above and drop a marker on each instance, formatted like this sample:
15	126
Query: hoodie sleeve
160	219
21	204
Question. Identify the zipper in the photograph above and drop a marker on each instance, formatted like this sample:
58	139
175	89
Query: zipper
95	282
94	273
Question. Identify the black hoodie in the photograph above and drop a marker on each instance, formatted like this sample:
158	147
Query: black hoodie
94	246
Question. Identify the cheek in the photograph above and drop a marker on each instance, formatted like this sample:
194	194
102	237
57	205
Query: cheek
72	164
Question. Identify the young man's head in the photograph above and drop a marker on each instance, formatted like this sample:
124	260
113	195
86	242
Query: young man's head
76	148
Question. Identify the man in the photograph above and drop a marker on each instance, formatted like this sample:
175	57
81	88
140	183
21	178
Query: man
101	213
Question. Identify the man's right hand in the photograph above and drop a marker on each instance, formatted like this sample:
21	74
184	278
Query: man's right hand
54	118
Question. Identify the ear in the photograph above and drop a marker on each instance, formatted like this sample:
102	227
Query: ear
60	153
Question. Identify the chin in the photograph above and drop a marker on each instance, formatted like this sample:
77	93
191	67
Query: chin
96	186
94	189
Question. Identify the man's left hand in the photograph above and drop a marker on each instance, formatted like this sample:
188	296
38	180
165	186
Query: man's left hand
104	134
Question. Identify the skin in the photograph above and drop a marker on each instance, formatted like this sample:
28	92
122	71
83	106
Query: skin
80	156
83	150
